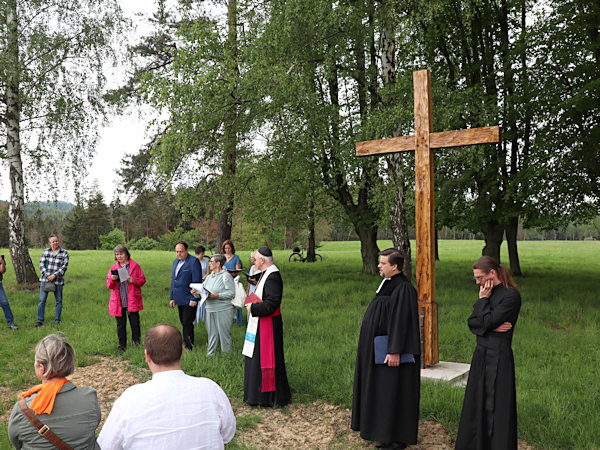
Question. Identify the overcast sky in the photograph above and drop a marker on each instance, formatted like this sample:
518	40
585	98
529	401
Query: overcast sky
124	134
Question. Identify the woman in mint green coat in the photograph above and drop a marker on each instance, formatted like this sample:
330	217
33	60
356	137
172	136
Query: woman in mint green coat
219	309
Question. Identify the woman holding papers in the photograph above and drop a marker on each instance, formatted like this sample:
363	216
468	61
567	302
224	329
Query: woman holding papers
218	305
125	278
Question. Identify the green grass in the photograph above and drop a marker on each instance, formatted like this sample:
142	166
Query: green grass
556	342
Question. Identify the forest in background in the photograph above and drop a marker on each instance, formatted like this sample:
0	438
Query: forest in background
258	107
158	226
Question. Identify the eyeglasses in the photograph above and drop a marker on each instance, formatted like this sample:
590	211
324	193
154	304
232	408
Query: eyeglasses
481	277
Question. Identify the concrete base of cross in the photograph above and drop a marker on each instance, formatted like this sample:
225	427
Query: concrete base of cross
455	374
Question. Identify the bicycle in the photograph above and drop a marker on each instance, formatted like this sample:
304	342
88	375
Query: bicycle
298	255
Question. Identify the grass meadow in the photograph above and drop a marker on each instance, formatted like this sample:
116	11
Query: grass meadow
556	342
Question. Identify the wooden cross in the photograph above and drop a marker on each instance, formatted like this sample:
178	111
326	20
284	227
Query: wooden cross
423	140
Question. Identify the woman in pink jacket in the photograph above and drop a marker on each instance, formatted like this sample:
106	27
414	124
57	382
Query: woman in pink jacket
126	296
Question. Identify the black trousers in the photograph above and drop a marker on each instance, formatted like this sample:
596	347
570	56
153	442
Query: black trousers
187	315
134	322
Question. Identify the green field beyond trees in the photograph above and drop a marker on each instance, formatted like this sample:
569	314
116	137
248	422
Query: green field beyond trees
556	343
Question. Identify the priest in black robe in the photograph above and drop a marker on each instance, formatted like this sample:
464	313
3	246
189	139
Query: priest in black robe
489	413
385	406
266	383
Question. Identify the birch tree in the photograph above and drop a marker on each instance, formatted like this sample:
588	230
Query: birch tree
51	81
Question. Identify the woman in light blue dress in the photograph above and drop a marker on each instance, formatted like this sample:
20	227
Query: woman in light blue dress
232	263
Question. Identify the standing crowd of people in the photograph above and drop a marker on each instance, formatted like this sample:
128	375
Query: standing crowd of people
386	393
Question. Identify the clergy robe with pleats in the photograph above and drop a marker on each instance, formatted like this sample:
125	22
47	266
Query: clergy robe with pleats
489	414
385	406
253	395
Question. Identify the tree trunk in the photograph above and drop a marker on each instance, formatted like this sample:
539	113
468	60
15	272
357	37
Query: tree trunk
368	247
398	222
230	137
310	249
23	267
511	242
437	247
223	228
493	234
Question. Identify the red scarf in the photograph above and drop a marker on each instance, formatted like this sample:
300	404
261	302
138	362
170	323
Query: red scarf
43	403
267	351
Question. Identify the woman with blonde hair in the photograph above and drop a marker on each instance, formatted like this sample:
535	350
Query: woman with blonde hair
63	413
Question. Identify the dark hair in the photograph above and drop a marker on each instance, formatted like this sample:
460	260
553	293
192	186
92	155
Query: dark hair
200	249
182	243
164	344
122	249
227	242
487	263
395	258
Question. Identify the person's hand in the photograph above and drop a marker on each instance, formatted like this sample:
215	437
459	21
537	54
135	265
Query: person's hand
172	304
193	303
130	279
485	290
213	295
114	277
392	359
193	292
503	328
51	277
249	307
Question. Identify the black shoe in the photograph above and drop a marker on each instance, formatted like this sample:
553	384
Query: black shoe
136	343
57	322
121	349
39	323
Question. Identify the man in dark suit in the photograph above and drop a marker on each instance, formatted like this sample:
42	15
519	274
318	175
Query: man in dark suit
186	270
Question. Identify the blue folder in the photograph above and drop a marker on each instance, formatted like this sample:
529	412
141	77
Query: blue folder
380	347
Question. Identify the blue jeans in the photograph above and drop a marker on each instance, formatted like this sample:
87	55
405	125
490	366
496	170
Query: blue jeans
42	304
6	307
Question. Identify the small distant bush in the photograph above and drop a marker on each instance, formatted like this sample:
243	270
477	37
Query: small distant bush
112	239
143	243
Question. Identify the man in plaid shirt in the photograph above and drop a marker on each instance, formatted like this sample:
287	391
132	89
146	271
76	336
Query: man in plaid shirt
53	265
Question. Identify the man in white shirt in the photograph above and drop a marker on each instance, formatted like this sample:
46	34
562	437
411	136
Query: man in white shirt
172	410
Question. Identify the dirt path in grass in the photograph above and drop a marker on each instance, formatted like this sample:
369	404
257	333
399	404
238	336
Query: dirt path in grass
318	425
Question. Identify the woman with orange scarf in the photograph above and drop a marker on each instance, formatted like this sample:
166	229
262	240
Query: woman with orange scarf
70	413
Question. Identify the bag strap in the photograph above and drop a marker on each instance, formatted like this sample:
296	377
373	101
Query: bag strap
43	430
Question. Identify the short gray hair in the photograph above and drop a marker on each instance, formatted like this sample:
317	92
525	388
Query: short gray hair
122	249
56	355
219	258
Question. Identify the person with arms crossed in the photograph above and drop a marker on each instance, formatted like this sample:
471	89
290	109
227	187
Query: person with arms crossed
53	265
489	413
8	315
385	405
172	410
265	377
186	270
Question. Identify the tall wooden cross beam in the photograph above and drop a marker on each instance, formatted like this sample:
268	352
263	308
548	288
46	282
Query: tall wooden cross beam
422	142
